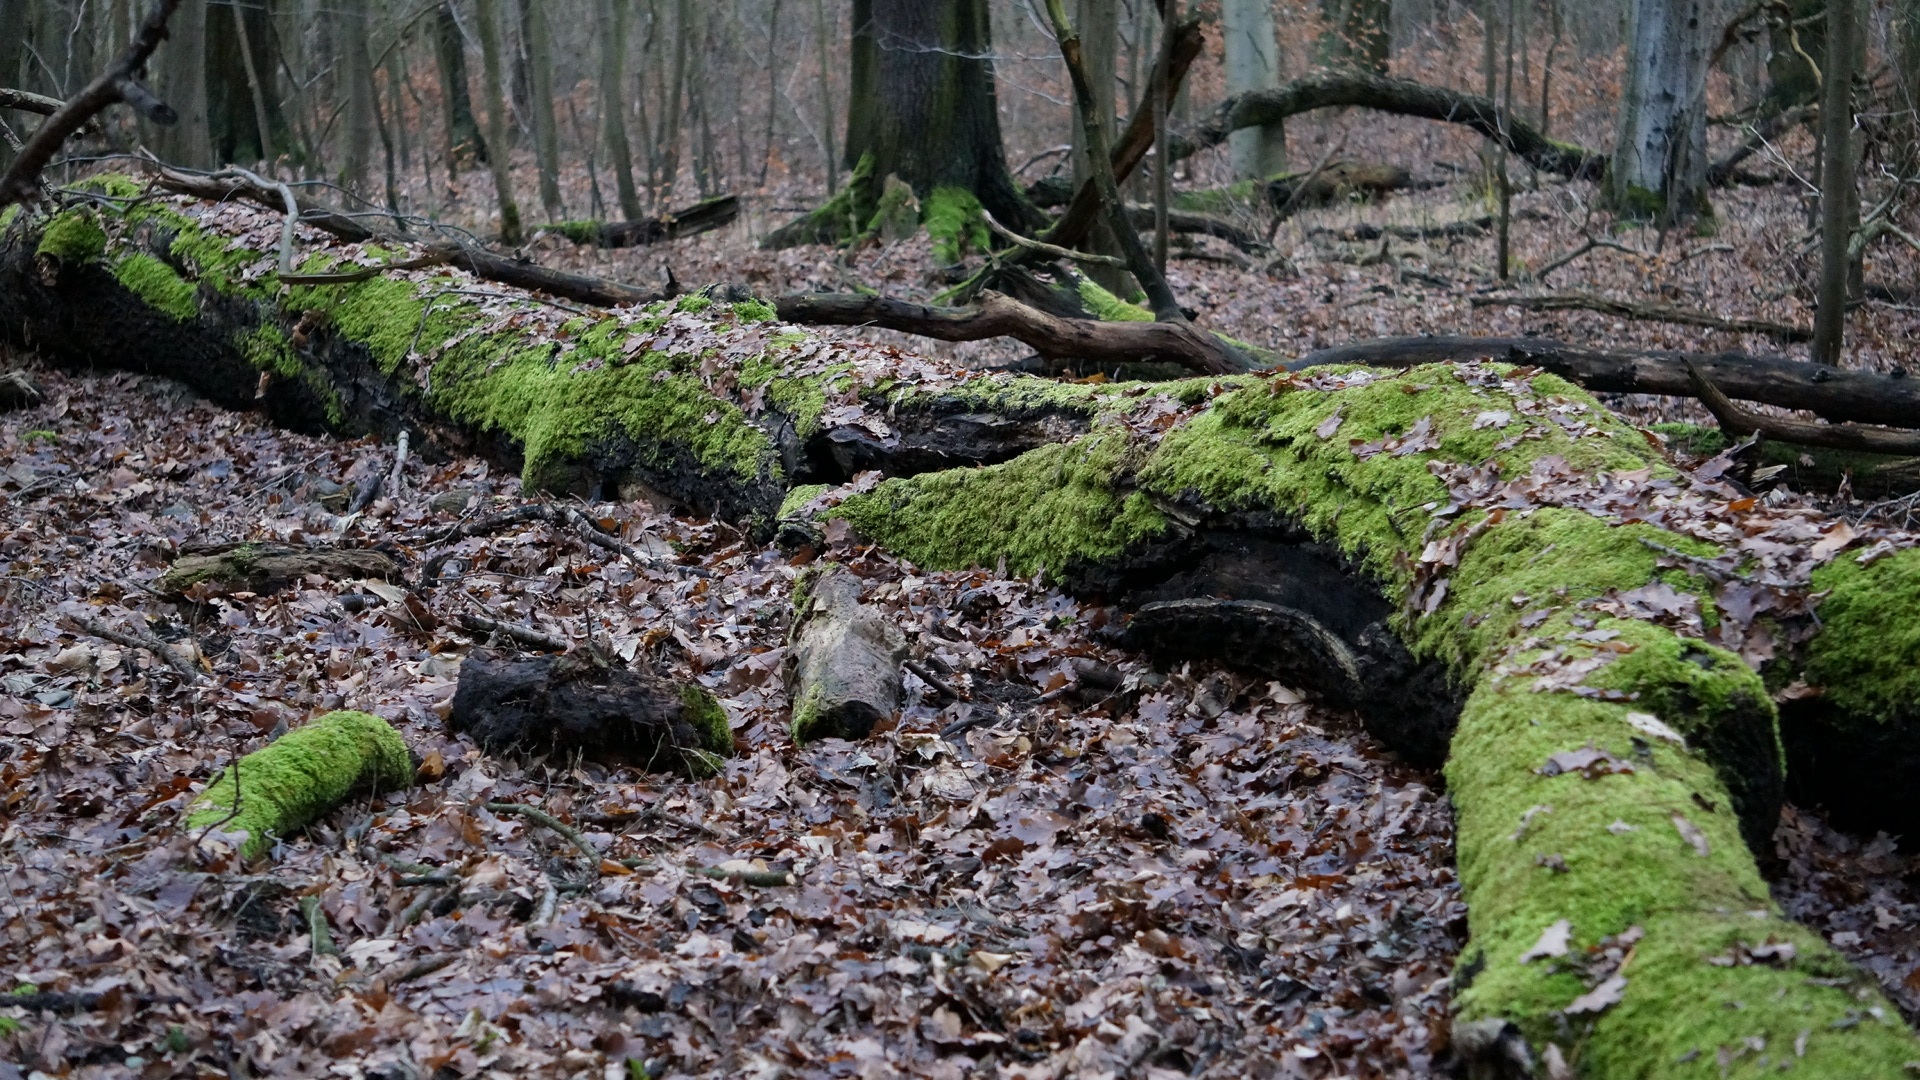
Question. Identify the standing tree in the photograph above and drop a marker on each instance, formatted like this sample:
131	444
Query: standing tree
243	108
1839	195
464	144
181	64
1659	166
928	115
493	62
1253	63
1099	23
538	35
614	19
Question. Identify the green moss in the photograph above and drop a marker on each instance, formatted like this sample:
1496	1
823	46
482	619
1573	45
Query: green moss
1225	201
1867	651
1627	864
269	349
74	237
896	214
1107	307
8	216
839	219
580	232
693	302
954	220
709	718
798	497
301	776
1639	204
156	283
1042	509
113	186
755	311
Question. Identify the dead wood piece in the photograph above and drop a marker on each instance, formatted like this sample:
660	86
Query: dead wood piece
844	674
1335	182
1195	223
1645	312
263	568
703	216
525	635
540	817
572	705
1837	395
1738	421
1001	316
18	392
1365	231
181	658
27	101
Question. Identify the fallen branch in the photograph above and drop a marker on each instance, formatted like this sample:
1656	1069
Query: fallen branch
1645	312
320	937
1593	243
167	654
703	216
540	817
25	101
1403	97
1836	395
996	315
1052	250
21	182
1738	422
258	567
1194	222
525	635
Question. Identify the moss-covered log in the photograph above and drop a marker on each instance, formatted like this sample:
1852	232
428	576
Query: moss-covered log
265	568
703	216
1612	764
299	777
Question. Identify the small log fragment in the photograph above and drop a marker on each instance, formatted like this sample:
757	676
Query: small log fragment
299	777
265	568
703	216
844	675
572	704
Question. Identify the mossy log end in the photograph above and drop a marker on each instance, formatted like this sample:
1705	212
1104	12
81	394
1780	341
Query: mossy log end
844	674
572	705
1504	604
265	568
299	777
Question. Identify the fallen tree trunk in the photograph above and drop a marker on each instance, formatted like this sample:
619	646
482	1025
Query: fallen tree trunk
1646	312
703	216
265	568
1612	759
1859	396
298	778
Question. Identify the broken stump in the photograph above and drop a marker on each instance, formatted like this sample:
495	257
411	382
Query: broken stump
844	675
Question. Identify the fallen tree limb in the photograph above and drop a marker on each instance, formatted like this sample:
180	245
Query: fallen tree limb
703	216
1000	316
524	635
1738	421
1645	312
843	675
1403	97
1196	223
182	662
1859	396
571	705
299	777
26	101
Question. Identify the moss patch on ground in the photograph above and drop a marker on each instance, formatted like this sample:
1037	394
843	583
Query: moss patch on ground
1867	652
73	237
301	776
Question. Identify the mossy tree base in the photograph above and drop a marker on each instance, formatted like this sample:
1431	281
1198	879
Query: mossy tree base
299	777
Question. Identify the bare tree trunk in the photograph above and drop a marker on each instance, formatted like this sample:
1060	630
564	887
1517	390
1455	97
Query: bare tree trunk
1099	24
615	17
1659	168
497	144
1839	199
860	87
773	88
181	64
1253	63
356	78
546	139
670	115
464	143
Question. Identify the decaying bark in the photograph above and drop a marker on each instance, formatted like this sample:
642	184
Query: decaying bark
1611	763
576	705
266	568
844	673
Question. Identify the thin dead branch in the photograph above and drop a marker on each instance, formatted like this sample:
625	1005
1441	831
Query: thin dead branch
1645	312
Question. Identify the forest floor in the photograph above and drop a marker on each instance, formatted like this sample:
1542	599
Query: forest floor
1151	872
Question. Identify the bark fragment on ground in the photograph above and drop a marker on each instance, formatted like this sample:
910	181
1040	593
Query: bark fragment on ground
578	705
298	778
258	567
844	673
